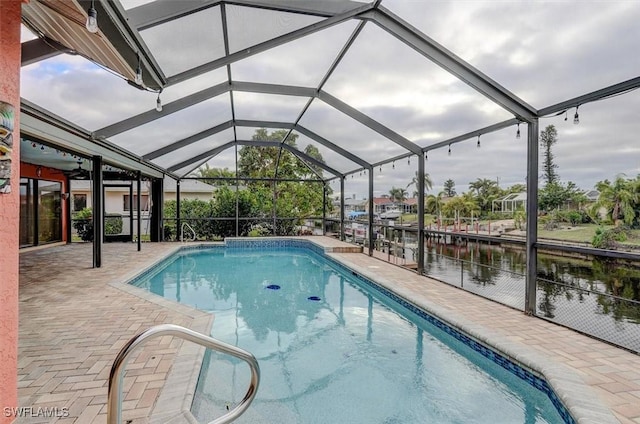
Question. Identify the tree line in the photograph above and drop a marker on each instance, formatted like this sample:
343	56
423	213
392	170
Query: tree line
258	197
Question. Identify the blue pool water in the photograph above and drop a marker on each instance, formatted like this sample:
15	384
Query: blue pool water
332	349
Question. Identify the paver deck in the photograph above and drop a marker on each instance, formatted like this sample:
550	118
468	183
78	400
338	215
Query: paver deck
74	320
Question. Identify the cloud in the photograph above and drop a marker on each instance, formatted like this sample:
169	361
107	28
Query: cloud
544	52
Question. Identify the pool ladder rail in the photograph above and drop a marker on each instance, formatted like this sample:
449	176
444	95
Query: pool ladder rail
114	397
185	224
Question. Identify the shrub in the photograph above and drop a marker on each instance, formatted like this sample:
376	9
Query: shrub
609	238
113	224
83	224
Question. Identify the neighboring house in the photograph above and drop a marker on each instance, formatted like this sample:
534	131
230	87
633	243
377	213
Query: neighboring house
350	205
380	205
117	198
383	204
592	195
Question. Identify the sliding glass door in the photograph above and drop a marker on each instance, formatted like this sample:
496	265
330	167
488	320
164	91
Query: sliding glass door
27	213
40	212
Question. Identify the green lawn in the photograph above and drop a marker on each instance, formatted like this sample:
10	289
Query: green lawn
581	233
584	233
413	217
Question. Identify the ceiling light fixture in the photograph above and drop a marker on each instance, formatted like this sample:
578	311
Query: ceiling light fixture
478	143
92	19
393	165
518	132
576	117
449	152
159	102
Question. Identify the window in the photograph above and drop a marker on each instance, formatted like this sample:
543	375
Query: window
79	202
144	202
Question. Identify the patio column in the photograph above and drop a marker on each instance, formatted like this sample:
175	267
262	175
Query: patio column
157	196
10	207
420	258
532	219
178	222
98	211
342	208
67	208
324	208
370	211
139	208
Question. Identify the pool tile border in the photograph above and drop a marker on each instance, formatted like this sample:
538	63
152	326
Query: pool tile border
568	393
566	387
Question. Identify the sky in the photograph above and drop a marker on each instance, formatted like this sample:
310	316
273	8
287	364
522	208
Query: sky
543	52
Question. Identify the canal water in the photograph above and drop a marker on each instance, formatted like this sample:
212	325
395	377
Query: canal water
595	296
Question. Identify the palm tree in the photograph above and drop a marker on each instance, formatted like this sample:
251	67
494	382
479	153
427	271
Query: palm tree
434	203
398	194
618	199
486	192
428	184
463	206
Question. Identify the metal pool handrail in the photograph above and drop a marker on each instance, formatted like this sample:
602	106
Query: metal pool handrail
185	224
114	397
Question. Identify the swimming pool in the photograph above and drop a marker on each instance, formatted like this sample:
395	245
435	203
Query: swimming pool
335	348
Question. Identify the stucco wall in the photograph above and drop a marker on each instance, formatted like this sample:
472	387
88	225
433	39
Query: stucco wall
9	211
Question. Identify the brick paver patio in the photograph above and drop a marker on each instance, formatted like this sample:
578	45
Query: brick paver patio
72	325
74	320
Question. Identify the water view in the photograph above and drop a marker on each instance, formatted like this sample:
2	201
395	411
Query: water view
596	296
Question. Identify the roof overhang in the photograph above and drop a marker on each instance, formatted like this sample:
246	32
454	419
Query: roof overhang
116	45
42	125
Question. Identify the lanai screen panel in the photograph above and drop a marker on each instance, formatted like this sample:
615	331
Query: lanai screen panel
268	107
249	26
407	92
331	158
177	126
604	145
302	62
186	42
501	157
348	133
193	85
543	52
247	133
225	159
195	149
81	92
130	4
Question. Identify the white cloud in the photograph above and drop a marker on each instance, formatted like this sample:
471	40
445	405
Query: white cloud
544	52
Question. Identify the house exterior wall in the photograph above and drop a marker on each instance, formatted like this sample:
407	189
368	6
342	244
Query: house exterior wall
10	210
114	203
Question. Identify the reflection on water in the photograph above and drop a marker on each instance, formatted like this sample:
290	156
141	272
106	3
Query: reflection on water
596	296
332	351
